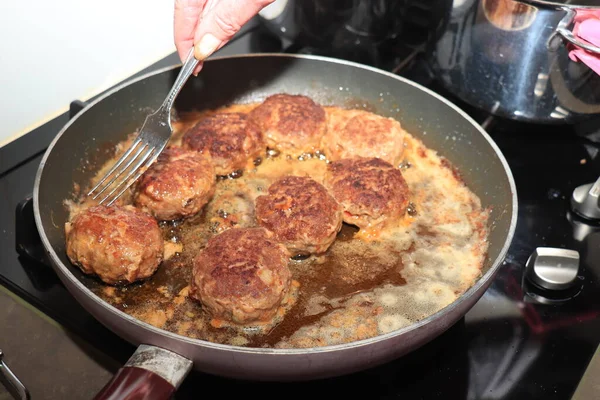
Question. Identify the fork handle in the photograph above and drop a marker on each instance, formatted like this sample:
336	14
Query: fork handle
184	73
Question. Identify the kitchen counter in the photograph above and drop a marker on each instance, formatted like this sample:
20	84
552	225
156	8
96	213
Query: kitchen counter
51	362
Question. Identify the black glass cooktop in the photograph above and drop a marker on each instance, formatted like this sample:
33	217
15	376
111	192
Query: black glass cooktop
516	343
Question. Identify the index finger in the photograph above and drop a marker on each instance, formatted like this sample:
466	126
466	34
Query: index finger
186	17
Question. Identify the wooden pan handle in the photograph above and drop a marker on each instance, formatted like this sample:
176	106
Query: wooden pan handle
152	373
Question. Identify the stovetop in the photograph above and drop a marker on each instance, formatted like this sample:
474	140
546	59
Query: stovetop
513	344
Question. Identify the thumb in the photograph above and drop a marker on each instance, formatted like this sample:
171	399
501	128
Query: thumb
220	22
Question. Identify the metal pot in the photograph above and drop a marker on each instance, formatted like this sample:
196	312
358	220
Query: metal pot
164	358
511	58
318	23
365	31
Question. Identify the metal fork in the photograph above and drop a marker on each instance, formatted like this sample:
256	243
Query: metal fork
148	144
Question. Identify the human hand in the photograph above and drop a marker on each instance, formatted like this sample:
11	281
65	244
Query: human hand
207	25
587	30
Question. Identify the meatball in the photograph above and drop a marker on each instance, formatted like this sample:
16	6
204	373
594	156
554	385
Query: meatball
178	185
301	214
371	191
291	123
242	276
231	139
357	133
119	244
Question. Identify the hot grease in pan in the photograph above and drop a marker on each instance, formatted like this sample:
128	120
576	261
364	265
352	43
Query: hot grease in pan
367	282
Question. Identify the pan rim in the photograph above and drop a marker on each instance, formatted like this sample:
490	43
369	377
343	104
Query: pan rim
115	313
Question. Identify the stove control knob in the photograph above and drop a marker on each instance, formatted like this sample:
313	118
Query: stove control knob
585	200
552	268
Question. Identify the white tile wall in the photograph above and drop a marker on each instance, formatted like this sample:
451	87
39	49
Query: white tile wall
52	52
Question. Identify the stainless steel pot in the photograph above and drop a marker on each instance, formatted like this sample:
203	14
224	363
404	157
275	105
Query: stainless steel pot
511	59
164	358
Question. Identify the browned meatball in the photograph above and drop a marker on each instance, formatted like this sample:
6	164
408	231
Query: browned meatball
357	133
231	139
291	123
178	185
242	275
119	244
371	191
301	214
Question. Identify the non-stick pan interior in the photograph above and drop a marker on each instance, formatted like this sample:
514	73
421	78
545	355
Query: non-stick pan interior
90	137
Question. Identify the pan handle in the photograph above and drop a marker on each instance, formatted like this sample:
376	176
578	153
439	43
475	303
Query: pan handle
151	373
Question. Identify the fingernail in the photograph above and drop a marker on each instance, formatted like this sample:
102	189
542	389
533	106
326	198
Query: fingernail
206	46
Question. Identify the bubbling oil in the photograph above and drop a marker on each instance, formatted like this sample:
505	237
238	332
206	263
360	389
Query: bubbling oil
358	289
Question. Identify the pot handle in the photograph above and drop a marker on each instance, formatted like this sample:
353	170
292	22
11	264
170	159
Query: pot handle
151	373
564	31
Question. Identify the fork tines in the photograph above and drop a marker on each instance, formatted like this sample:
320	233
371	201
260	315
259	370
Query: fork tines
143	155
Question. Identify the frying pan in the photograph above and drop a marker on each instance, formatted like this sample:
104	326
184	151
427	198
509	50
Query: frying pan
163	359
